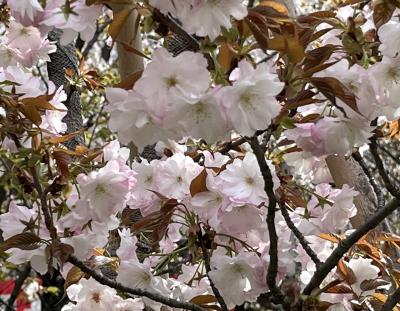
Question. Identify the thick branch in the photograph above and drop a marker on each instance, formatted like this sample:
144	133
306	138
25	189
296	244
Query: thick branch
134	291
348	171
273	237
392	300
372	222
22	275
128	62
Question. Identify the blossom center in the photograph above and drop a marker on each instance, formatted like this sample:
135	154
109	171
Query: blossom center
247	100
249	180
200	112
171	81
100	189
96	297
394	75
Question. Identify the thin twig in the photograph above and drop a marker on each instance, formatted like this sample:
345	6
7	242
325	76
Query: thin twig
344	245
392	300
304	243
48	219
273	237
96	123
378	192
99	31
177	29
22	275
397	160
134	291
393	190
207	265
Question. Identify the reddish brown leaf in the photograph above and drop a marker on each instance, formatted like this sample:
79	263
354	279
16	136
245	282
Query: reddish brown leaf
332	88
127	47
346	272
118	22
62	139
62	160
24	241
130	80
198	184
329	237
73	276
383	11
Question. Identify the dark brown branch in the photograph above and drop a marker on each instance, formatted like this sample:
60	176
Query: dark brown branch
393	190
344	245
304	243
206	258
396	160
134	291
273	237
91	42
177	29
392	300
22	275
378	192
48	219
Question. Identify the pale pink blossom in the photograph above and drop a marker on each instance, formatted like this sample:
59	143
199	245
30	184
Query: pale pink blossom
130	119
106	190
16	219
364	270
242	181
24	8
175	175
167	83
389	35
82	20
250	103
206	17
90	295
240	278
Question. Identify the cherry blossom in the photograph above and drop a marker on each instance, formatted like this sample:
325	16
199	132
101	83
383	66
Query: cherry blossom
172	77
239	278
25	8
206	17
82	21
250	102
364	270
389	35
242	181
105	190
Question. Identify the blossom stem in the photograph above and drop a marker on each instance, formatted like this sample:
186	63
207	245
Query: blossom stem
207	265
134	291
299	236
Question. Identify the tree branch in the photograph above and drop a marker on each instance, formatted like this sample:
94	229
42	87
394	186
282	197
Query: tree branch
134	291
273	248
393	190
304	243
22	275
206	258
392	301
379	194
344	245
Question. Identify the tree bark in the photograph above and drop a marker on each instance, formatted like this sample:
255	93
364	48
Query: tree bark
348	171
127	61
